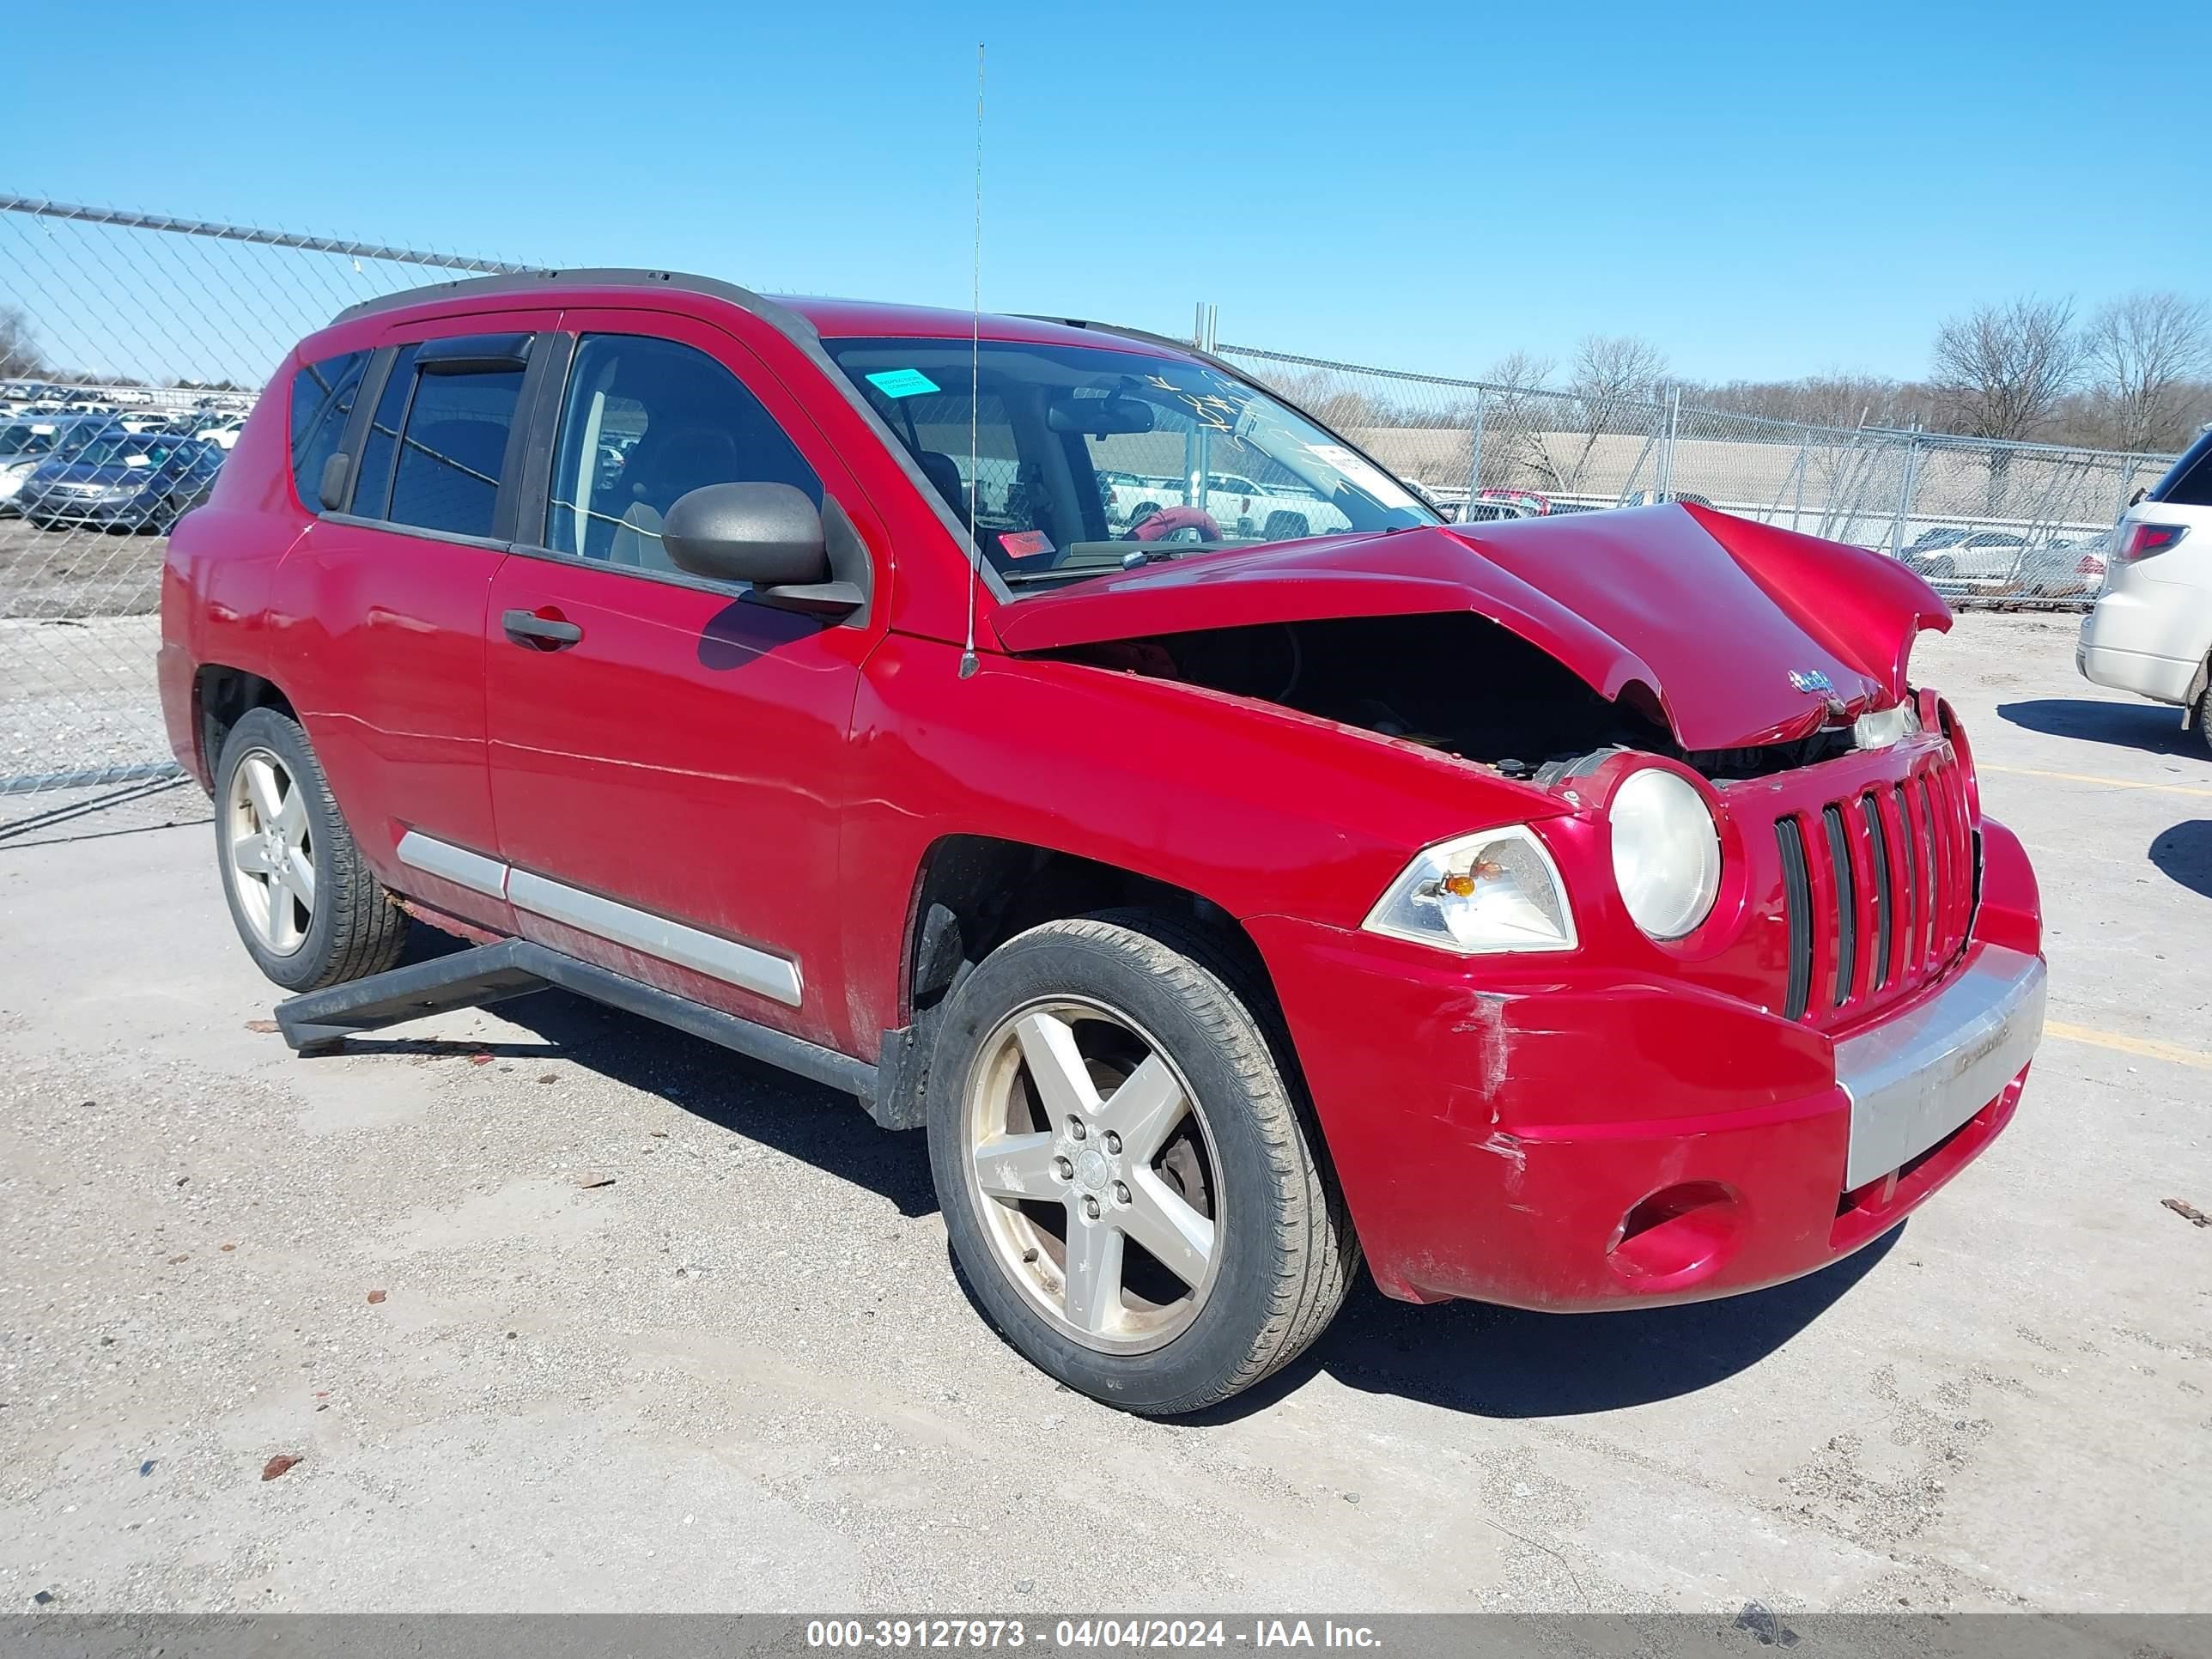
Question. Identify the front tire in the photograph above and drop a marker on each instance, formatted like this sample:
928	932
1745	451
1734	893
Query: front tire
305	907
1128	1184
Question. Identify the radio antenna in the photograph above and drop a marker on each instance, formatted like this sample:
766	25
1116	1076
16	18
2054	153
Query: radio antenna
974	379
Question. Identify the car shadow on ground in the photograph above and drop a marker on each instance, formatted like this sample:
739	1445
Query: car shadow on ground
1463	1356
817	1124
2150	726
2184	852
1506	1363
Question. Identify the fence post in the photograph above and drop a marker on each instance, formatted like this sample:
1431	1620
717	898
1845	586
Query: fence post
1673	421
1905	490
1474	448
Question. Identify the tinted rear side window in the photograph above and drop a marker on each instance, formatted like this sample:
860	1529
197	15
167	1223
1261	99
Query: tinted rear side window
2189	484
373	490
322	398
453	447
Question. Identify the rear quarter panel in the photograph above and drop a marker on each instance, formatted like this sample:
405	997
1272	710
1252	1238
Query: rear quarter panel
218	572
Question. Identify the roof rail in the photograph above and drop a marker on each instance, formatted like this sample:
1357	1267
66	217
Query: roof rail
532	282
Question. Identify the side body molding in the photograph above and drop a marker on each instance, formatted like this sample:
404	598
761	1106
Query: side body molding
747	967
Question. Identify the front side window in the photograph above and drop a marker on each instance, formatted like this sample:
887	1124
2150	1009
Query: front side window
322	400
646	421
1071	453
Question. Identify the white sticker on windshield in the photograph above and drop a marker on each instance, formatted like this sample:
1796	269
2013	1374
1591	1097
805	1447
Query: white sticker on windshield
1363	474
136	460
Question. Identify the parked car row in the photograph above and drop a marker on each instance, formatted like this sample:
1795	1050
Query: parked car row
1238	505
120	472
1957	560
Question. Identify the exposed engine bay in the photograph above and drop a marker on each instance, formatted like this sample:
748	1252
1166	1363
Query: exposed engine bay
1454	681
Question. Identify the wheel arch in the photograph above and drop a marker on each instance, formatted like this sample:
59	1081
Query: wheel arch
220	697
971	893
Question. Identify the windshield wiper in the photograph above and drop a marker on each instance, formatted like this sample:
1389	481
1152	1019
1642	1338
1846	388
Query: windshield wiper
1062	573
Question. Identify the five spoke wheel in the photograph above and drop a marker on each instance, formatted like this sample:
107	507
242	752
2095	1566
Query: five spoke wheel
272	851
1097	1173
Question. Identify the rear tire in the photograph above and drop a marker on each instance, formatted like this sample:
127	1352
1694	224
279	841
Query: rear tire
305	907
1170	1147
2203	713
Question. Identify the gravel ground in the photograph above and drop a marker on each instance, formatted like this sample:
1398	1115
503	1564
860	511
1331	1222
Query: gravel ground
562	1310
78	570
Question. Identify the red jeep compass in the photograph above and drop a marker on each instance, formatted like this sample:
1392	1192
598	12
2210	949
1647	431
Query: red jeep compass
1237	870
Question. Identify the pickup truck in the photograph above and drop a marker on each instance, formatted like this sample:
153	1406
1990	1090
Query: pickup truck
1243	509
1228	914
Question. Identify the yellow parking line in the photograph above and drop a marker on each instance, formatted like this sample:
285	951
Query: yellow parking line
2083	777
2148	1048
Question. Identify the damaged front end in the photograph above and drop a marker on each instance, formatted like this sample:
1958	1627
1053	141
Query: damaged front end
1731	693
1672	625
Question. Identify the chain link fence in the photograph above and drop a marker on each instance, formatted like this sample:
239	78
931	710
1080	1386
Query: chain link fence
1987	522
132	346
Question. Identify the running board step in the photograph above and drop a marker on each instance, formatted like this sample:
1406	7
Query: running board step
486	974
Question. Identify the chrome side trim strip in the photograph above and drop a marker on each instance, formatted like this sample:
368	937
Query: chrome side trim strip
1914	1079
761	972
741	965
458	865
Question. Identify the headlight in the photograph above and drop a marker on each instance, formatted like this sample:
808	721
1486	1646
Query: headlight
1666	852
1497	889
1886	726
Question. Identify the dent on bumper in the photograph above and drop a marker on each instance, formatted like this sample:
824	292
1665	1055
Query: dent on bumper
1565	1141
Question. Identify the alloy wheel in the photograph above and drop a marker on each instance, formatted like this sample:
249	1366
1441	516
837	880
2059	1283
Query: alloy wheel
272	851
1094	1173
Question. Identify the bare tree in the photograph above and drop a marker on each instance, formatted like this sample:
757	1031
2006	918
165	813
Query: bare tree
1613	369
1999	371
1520	372
1514	406
1612	374
19	355
2144	351
1841	397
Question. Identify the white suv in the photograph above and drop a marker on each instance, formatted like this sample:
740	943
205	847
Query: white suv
2151	629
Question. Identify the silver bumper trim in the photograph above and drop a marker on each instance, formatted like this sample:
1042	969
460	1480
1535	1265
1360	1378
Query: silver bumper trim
1915	1078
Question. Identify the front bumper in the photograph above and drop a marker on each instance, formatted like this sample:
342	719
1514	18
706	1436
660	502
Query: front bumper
79	509
1913	1080
1556	1138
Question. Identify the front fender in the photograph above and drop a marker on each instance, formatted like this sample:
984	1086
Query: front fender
1257	809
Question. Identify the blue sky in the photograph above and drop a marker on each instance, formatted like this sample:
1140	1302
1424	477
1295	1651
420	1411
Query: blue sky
1761	190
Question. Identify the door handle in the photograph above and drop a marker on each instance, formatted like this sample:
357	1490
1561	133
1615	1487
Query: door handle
541	633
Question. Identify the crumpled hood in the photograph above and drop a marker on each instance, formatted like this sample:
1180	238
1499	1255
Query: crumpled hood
1739	634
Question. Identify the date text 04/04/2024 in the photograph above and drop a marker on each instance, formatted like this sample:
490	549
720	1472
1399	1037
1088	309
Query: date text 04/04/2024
1091	1634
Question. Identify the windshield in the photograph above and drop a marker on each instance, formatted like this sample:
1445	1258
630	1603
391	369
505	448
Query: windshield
1087	458
26	440
123	450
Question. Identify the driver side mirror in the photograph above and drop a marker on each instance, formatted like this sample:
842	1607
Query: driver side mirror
769	535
